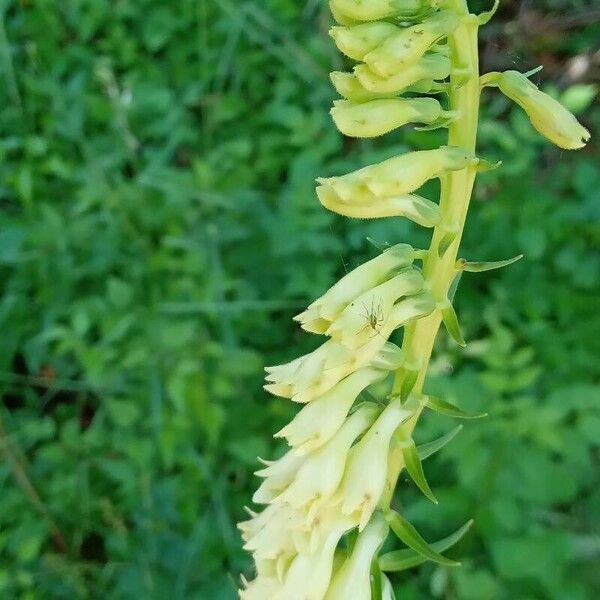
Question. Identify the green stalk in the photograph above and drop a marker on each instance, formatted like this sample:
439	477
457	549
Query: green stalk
456	189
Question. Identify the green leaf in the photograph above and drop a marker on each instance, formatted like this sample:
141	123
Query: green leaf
451	323
376	580
415	469
399	560
407	534
486	16
446	408
481	266
429	448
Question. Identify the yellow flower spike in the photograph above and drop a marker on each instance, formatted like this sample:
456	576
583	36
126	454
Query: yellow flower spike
375	271
320	474
366	470
371	10
352	580
377	117
407	46
321	418
549	117
359	40
432	66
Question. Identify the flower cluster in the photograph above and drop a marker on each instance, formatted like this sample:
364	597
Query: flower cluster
326	510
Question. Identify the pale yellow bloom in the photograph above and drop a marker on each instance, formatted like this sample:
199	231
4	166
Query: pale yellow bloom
406	47
366	469
319	476
377	117
371	10
329	306
277	476
431	66
321	418
547	115
352	580
359	40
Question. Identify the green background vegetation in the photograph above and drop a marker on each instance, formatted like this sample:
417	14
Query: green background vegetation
158	230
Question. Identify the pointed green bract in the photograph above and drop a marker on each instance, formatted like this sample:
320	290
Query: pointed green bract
400	560
446	408
376	580
414	467
451	323
481	266
426	450
407	534
446	242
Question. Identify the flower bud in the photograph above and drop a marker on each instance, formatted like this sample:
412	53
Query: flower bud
328	307
416	208
348	86
364	317
397	176
406	47
549	117
377	117
320	475
366	469
371	10
319	420
352	580
432	66
359	40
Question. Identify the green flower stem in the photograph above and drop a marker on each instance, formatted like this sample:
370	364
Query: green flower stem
456	189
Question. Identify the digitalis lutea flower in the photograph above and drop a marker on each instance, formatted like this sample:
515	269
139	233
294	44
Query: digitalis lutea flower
320	313
434	66
366	469
407	46
377	117
347	11
277	476
396	176
321	418
549	117
364	316
359	40
320	474
321	369
411	206
352	579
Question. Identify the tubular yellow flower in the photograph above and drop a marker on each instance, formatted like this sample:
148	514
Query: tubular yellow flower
352	580
416	208
549	117
407	46
319	476
348	86
277	476
359	40
377	117
431	66
319	420
329	306
366	469
371	10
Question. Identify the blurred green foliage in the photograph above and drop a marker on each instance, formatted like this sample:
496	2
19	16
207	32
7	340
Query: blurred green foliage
159	228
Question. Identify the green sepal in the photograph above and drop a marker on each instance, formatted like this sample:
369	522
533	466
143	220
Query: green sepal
426	450
407	534
441	123
412	461
376	580
484	165
400	560
447	408
481	266
454	286
451	323
445	243
408	383
485	17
